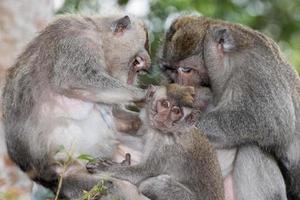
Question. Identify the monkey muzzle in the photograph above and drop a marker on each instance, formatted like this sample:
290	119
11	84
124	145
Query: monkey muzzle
139	65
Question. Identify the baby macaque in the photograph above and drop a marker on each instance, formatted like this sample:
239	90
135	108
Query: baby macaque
178	162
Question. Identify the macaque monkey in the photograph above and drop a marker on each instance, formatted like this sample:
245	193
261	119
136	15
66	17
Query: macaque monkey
256	102
178	162
57	89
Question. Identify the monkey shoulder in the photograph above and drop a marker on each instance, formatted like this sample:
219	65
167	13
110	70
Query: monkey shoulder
73	29
195	142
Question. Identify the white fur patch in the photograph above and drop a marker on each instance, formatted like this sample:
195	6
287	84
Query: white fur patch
79	127
226	159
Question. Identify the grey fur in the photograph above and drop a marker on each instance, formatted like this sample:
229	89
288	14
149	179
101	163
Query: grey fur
257	102
178	163
257	176
75	57
255	96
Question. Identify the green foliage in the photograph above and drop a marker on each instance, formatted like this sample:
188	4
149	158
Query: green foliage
85	157
97	190
276	18
74	6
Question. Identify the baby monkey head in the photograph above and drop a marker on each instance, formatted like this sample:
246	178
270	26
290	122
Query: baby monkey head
167	108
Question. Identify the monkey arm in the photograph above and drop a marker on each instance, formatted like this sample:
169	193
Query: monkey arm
257	124
136	173
107	96
164	187
86	78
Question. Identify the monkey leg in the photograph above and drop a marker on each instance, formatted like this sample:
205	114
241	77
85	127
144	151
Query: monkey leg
290	168
122	190
163	187
126	121
257	176
137	173
133	174
73	186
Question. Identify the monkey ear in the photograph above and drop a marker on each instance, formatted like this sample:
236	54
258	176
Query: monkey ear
121	25
224	38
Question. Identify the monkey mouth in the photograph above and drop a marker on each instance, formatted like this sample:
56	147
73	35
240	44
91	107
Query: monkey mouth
138	66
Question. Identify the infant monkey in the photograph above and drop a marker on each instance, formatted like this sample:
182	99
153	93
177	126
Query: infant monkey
178	162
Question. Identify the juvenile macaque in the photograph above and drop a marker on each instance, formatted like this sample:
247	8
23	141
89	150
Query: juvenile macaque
256	103
178	162
56	92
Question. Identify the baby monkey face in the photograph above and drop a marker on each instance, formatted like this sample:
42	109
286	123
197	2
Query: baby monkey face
167	113
168	105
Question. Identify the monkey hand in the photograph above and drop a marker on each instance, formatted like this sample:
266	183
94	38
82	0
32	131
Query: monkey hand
183	95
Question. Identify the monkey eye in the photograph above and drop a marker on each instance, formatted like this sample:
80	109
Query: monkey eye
185	69
176	110
221	41
168	67
165	104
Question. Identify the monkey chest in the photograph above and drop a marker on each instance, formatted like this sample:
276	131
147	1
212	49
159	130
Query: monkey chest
80	126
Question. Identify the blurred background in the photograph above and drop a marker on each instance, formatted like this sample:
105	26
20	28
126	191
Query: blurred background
20	21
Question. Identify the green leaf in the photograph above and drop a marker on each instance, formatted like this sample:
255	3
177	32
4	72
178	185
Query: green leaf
85	157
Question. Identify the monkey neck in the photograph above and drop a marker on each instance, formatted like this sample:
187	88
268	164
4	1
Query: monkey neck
154	136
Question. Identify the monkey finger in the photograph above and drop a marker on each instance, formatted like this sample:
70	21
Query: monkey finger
190	90
188	101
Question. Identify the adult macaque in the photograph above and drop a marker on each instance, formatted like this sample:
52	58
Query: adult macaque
56	88
256	103
178	162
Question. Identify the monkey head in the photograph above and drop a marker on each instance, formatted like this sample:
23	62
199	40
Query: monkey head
199	50
126	48
180	58
165	109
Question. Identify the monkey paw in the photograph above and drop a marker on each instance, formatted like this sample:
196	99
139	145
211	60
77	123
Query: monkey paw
98	165
183	95
101	165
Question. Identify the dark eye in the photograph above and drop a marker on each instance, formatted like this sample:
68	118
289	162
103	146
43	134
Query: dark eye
176	110
169	68
165	104
185	69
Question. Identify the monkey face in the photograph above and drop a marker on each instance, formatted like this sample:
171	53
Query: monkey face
199	50
181	57
188	72
163	111
127	50
167	113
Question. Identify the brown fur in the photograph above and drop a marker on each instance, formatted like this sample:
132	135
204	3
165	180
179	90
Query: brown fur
255	90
